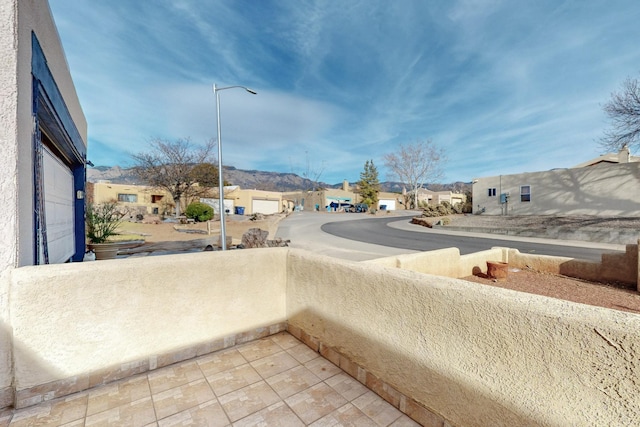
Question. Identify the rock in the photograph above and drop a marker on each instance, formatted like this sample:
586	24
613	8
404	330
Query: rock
278	242
257	238
421	221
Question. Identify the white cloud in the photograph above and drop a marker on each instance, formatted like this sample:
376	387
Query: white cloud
503	86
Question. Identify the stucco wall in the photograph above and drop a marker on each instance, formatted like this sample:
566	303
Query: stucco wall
17	20
8	183
615	266
602	190
476	355
621	267
73	319
443	262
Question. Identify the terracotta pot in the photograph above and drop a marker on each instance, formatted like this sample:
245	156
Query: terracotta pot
104	250
109	250
497	270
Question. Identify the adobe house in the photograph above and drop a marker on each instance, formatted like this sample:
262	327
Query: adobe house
605	186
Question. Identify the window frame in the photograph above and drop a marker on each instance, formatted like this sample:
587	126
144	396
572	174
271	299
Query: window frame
128	197
491	192
525	197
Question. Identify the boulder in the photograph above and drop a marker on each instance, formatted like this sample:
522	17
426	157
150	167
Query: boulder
257	238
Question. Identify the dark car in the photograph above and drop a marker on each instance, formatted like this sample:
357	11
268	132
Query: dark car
359	208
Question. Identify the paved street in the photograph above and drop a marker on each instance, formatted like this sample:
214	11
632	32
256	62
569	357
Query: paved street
360	237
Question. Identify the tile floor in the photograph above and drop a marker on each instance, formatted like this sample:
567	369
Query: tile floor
275	381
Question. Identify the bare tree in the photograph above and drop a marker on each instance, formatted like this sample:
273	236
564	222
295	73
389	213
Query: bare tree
624	111
173	166
311	174
414	164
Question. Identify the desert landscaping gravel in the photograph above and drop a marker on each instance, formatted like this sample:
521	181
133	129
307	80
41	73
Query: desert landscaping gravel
615	296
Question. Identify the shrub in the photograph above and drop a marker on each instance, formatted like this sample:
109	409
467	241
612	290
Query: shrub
442	209
200	212
103	221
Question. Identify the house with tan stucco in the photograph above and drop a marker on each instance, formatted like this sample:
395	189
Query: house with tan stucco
427	196
147	200
136	199
606	186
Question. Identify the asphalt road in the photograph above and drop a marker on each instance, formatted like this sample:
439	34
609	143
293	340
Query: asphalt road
396	232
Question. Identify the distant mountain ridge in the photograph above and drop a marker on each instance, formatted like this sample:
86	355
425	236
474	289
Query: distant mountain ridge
259	180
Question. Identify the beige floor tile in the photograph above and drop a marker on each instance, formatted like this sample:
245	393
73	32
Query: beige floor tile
302	353
5	417
76	423
274	364
207	414
258	349
118	394
233	379
293	381
173	376
347	415
137	413
322	368
285	340
250	381
377	408
277	414
404	421
347	386
222	361
315	402
54	412
248	400
183	397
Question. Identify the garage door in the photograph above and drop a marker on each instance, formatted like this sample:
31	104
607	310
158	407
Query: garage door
265	206
59	209
389	203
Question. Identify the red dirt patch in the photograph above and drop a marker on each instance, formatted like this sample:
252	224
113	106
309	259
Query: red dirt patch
609	295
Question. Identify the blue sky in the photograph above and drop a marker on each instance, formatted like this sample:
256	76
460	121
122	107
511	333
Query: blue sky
503	86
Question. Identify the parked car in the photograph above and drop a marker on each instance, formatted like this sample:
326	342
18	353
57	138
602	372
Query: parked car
359	208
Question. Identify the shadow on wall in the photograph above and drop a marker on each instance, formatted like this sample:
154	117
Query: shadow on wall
403	380
602	190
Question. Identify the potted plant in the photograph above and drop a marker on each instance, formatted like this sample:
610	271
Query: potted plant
103	221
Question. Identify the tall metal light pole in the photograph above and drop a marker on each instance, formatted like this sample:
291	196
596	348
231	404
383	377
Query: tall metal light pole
223	229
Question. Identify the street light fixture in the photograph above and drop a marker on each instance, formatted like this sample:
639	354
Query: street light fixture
223	230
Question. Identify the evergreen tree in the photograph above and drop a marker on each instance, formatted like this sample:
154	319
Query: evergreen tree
369	184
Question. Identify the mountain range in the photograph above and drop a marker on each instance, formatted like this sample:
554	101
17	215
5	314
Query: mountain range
260	180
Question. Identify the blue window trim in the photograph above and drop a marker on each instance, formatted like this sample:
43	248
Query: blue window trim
49	93
51	112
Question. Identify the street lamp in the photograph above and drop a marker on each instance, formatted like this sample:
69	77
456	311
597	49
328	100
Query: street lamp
223	230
